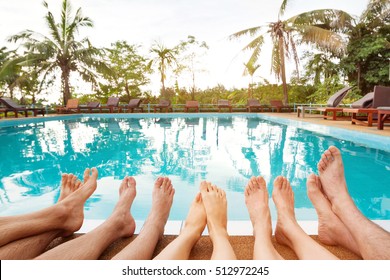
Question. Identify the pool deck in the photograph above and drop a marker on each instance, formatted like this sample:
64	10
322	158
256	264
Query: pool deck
240	232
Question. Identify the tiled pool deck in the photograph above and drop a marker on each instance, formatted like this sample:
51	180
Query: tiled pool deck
244	228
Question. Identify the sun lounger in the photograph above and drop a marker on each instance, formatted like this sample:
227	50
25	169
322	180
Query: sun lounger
279	106
92	105
191	105
112	105
364	102
331	105
163	104
383	115
134	104
223	103
72	106
254	104
11	106
381	99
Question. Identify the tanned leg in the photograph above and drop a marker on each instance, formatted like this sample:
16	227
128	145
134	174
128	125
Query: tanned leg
92	244
373	241
180	248
66	216
288	231
143	246
331	230
31	247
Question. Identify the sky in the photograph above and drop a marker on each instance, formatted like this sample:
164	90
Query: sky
143	22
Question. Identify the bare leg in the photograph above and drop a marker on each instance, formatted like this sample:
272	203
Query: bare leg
180	248
256	200
32	246
91	245
288	231
67	216
214	201
331	230
143	246
373	241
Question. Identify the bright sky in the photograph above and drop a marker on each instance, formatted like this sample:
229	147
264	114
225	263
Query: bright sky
169	21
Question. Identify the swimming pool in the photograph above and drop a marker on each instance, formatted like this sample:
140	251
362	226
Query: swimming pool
226	149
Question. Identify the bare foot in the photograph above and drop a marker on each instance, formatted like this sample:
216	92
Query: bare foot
283	197
72	206
69	184
196	218
331	170
162	198
215	204
256	200
331	231
121	219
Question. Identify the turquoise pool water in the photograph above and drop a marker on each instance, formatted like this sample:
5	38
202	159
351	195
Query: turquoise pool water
225	149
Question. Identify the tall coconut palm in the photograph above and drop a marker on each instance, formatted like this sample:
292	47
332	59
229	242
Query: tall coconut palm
165	58
318	27
60	51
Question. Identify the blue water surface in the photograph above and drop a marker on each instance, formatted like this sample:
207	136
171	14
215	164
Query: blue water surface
224	149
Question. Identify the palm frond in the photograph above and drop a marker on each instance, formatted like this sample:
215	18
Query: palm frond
250	31
322	38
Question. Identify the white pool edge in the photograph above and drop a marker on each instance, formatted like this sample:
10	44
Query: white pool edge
235	228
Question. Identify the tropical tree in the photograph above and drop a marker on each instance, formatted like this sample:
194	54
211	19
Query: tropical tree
320	67
191	51
250	70
128	71
164	58
368	57
61	51
318	27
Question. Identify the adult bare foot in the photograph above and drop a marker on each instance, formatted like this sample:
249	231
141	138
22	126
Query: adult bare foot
72	206
283	197
331	231
331	170
162	198
69	184
121	220
256	200
215	204
196	218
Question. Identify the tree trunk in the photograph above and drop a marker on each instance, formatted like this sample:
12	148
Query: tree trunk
66	87
283	70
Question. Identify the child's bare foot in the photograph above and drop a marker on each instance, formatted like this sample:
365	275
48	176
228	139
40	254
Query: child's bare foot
215	204
163	193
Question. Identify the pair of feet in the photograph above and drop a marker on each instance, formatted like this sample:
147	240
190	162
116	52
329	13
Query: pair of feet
328	193
74	193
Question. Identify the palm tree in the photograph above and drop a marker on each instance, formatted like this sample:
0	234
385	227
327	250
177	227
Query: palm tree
165	58
318	27
61	51
250	70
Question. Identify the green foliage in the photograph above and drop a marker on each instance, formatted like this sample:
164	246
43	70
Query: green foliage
368	51
129	72
61	50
